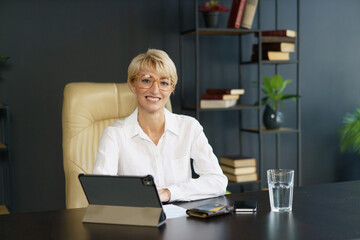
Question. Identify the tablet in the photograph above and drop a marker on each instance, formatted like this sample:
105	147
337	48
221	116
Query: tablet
134	195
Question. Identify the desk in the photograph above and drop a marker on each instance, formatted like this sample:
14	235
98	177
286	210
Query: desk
329	211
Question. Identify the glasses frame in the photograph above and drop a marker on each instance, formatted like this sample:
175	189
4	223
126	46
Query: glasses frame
155	80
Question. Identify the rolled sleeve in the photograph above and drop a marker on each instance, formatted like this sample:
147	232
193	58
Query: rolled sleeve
211	182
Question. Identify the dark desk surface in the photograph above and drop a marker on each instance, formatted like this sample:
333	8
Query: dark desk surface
329	211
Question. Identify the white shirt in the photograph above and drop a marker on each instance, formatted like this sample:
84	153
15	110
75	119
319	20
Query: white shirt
125	149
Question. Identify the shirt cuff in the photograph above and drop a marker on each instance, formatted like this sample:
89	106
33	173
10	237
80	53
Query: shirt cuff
175	193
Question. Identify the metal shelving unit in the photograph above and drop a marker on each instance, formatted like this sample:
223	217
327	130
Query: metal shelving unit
198	32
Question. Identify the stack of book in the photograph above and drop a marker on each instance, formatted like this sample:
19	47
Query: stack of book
276	45
242	13
220	98
239	168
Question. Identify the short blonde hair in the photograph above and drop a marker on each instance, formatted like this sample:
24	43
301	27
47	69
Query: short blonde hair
153	60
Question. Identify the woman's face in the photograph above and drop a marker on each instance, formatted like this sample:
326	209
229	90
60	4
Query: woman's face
152	91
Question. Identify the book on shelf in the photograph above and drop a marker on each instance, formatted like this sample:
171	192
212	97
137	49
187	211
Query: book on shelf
277	39
205	103
275	51
238	170
236	13
225	91
249	14
220	96
241	178
238	161
272	56
279	46
280	33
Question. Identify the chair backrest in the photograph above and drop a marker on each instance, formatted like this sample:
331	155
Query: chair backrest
88	108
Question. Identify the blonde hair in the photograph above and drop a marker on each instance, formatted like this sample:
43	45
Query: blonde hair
153	60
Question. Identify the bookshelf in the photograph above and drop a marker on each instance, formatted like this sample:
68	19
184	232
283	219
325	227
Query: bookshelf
5	158
197	32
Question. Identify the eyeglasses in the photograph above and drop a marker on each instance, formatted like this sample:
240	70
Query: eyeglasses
146	81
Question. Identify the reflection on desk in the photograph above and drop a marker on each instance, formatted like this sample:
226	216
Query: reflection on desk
329	211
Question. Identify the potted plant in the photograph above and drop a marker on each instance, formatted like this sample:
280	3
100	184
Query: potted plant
211	11
350	133
273	88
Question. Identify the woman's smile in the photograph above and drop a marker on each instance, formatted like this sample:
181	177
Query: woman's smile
153	99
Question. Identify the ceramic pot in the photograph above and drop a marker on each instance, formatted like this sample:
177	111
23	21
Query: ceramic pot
211	19
272	119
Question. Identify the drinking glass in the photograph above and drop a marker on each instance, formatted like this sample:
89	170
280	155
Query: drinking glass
281	186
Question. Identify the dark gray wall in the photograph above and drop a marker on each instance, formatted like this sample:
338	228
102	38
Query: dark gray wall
52	43
330	86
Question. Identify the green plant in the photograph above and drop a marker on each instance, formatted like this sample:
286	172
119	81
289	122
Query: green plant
350	133
273	88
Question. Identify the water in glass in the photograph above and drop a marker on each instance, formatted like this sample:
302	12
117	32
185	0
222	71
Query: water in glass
281	197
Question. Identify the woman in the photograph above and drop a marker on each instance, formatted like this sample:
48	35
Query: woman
154	141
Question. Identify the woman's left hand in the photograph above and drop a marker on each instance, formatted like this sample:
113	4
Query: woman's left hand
164	194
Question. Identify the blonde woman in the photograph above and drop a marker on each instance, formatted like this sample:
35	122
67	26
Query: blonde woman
154	141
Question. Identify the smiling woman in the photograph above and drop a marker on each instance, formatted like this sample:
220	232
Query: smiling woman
151	97
154	141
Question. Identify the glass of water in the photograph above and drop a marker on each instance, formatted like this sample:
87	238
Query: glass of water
281	186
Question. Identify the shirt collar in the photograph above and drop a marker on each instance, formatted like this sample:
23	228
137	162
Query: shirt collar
132	127
171	122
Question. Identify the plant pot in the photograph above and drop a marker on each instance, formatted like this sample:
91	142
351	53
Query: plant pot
272	119
211	19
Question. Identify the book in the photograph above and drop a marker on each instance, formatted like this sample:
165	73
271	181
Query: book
204	103
220	96
4	210
241	206
238	161
238	170
272	56
281	33
271	39
225	91
241	178
249	14
236	13
279	46
209	210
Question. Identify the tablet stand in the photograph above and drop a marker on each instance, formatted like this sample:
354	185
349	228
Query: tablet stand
140	216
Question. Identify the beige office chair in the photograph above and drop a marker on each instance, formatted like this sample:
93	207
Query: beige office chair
87	109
